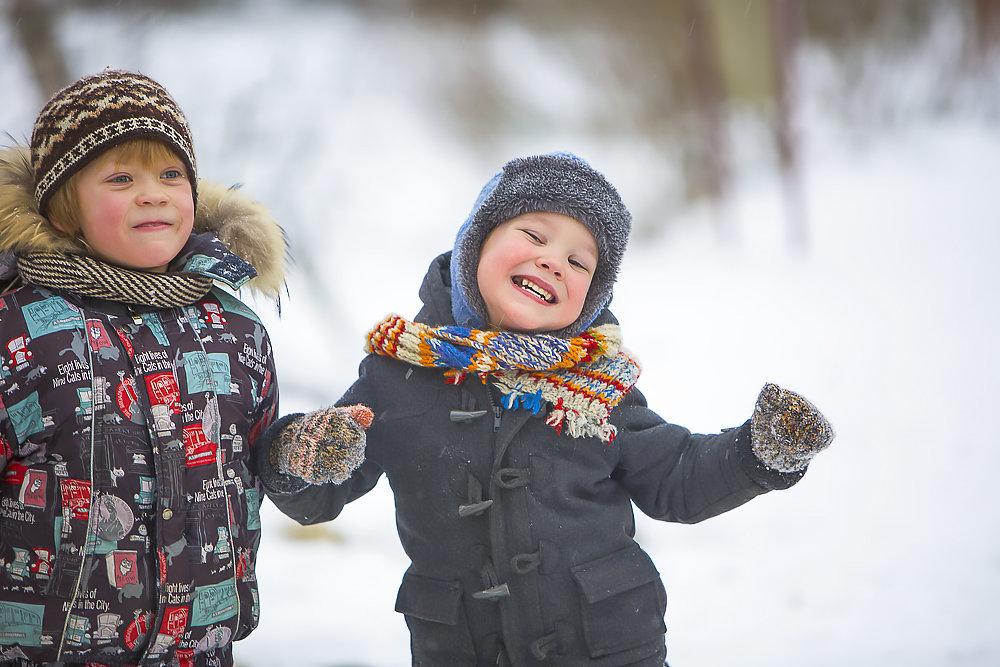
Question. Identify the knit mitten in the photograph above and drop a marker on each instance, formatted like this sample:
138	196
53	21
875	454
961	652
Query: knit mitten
323	446
787	429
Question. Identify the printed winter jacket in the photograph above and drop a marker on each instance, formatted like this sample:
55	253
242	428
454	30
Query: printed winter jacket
129	512
521	539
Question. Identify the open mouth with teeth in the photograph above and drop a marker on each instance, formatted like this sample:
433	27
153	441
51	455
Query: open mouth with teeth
536	290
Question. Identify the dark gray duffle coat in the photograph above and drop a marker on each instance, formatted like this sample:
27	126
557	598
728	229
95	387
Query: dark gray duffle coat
521	539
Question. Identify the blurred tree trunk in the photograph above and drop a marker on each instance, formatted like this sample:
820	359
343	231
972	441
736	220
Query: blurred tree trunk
987	29
34	23
711	177
787	32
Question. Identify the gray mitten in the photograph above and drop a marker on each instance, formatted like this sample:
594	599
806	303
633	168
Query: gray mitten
787	429
323	446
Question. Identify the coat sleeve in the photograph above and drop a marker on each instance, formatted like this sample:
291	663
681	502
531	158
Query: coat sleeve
310	503
267	405
672	474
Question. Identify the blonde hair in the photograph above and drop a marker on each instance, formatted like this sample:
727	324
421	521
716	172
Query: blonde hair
64	206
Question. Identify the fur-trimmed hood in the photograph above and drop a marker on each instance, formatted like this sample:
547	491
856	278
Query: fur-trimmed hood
245	226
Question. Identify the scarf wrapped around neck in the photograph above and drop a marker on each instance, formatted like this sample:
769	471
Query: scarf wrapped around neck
91	277
579	379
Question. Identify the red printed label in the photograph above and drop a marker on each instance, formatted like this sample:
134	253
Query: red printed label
174	621
126	396
199	450
136	630
76	497
123	568
14	474
33	488
126	342
99	338
163	390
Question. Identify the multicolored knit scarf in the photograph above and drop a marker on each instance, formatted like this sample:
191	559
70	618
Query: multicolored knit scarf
581	379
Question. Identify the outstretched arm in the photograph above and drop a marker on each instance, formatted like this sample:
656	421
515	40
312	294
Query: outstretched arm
675	475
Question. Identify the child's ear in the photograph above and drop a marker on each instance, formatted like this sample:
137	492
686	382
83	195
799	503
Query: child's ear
58	225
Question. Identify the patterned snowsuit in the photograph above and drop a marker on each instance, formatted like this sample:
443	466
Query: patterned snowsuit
129	513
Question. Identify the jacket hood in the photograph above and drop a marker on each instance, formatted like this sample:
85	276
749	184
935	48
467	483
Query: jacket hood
435	293
243	225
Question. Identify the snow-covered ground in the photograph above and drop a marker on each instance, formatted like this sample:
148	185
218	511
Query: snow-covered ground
887	553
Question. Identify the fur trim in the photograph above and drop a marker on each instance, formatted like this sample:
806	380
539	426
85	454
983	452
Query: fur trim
245	226
22	228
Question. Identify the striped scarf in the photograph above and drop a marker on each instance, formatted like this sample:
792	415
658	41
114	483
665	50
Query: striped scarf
579	379
87	276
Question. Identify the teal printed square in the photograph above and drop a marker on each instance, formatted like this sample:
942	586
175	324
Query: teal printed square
26	417
214	603
153	322
233	305
253	509
221	373
52	314
200	264
198	372
21	623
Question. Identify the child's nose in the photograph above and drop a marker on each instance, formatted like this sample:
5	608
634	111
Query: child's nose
151	194
551	265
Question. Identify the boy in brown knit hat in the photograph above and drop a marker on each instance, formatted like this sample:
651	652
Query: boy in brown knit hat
515	442
134	387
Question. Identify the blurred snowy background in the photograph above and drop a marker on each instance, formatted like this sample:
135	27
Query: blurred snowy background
815	192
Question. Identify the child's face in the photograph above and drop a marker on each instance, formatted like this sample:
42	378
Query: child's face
135	215
535	271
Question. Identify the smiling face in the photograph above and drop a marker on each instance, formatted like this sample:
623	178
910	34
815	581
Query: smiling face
134	210
535	271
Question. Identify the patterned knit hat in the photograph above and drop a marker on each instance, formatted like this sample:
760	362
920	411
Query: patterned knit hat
555	183
97	113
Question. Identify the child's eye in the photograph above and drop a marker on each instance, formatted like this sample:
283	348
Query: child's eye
532	235
173	173
579	265
120	178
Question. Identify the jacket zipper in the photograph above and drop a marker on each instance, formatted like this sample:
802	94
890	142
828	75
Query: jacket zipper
497	410
90	514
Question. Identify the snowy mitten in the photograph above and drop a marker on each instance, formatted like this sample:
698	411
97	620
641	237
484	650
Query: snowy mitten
787	429
323	446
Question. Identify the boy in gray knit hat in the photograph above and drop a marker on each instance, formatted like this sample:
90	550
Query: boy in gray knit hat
515	442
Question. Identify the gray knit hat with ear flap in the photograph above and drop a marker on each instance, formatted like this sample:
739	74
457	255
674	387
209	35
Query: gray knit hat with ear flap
555	183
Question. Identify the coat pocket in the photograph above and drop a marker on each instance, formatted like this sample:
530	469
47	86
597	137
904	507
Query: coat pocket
623	601
439	633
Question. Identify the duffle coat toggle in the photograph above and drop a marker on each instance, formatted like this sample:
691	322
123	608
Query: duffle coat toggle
465	415
526	563
494	590
475	505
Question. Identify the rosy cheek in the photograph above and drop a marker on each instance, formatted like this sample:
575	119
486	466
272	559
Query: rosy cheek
102	213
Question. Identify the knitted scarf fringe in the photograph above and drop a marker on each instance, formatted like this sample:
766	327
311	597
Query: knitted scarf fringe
87	276
579	379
